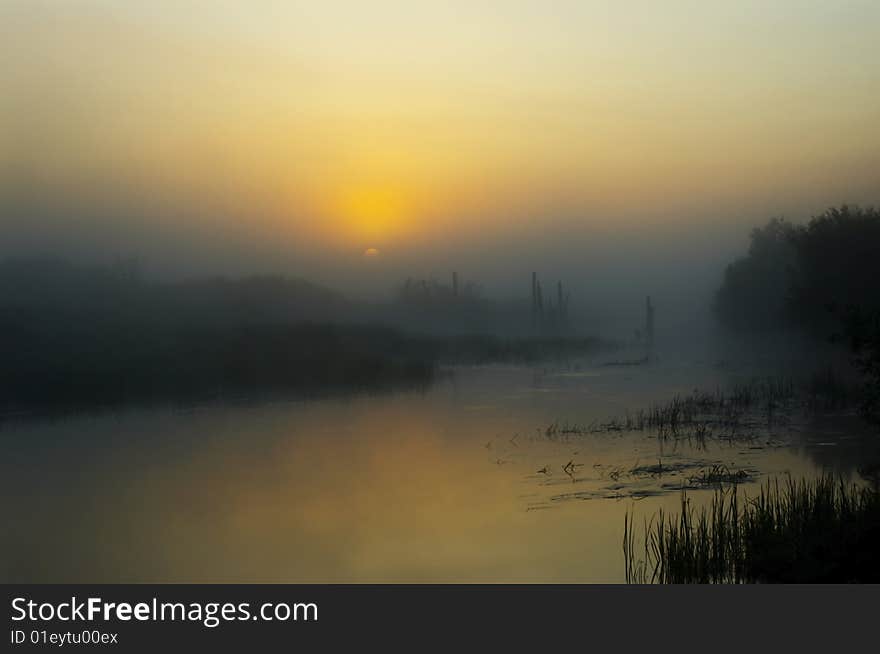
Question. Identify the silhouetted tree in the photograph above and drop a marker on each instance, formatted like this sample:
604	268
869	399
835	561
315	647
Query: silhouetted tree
821	278
753	293
837	269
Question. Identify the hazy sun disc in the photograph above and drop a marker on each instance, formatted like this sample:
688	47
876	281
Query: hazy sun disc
367	213
371	253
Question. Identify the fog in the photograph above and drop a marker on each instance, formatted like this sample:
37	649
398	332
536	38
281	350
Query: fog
623	158
608	274
347	291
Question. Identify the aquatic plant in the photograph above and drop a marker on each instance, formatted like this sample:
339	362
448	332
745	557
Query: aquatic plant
718	475
731	414
818	530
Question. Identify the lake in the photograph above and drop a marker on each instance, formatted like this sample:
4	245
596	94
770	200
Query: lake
457	483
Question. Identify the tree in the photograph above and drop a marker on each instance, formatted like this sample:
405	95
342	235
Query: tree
753	293
821	278
837	270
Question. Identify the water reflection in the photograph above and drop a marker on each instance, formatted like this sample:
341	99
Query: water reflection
456	484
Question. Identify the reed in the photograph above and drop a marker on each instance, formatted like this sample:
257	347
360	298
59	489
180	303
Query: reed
732	414
819	530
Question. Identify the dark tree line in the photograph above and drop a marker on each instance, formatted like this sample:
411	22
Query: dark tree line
74	335
821	278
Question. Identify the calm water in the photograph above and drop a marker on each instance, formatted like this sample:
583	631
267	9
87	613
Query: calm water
459	483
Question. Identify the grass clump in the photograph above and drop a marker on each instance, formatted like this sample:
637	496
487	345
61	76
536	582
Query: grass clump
812	531
732	414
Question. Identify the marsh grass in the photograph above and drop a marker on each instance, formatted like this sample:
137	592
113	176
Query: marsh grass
733	414
718	475
808	531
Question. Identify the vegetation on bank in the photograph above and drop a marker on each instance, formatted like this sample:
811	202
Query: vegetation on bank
809	277
116	365
735	413
90	336
812	531
819	279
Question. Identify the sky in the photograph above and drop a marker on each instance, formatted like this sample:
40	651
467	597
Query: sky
357	143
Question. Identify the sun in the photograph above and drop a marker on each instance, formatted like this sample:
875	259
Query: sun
373	213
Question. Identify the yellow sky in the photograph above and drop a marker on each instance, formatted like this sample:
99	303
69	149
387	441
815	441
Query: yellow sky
361	124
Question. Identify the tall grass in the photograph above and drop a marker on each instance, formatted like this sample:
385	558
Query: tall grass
731	414
808	531
700	415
